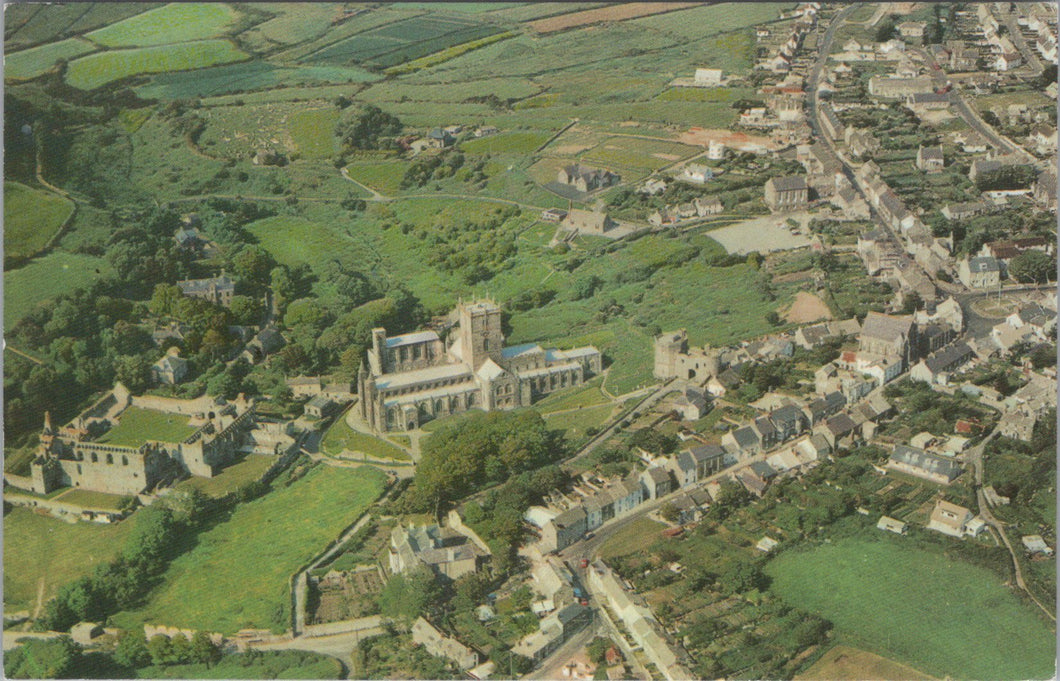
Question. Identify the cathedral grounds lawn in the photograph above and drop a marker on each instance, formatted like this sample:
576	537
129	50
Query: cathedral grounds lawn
944	617
237	574
136	426
340	437
41	551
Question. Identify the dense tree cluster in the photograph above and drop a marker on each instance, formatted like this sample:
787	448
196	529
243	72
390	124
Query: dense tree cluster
371	128
480	450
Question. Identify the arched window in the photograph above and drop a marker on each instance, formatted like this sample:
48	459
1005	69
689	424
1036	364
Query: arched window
95	458
110	458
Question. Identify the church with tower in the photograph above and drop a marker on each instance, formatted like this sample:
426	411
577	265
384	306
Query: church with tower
414	378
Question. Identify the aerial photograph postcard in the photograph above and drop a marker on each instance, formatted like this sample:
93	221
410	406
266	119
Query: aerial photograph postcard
656	341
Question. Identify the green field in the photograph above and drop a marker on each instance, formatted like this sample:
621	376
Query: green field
45	278
945	617
384	177
88	73
274	664
36	61
575	423
637	153
44	552
237	574
232	478
173	23
340	437
90	499
254	75
506	143
136	426
313	132
295	241
587	395
31	218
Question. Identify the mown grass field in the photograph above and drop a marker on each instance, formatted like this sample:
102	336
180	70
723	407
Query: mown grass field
136	426
945	617
45	278
173	23
90	499
844	663
341	438
43	551
35	61
313	132
251	468
237	574
31	218
94	70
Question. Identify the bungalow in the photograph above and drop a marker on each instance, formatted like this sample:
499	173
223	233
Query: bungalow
319	406
891	525
964	210
171	369
930	159
921	464
952	520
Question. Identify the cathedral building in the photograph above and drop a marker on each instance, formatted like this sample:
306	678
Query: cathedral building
411	379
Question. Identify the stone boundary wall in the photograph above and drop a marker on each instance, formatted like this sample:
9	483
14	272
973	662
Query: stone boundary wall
371	625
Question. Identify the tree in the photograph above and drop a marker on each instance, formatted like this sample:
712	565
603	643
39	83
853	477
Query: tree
669	512
132	650
409	594
164	300
247	310
56	658
161	649
369	129
741	576
912	303
885	29
598	648
1032	267
134	371
773	318
1044	356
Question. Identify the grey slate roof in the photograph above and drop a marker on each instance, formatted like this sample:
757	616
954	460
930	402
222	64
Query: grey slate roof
984	263
885	327
746	437
949	356
929	463
789	183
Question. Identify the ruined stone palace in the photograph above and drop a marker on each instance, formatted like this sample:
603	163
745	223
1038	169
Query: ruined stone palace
411	379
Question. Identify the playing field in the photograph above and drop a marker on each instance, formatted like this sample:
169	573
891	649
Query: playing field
101	68
136	426
35	61
42	553
173	23
945	617
237	574
31	217
45	278
844	663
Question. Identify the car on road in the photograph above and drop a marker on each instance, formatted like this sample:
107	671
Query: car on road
584	563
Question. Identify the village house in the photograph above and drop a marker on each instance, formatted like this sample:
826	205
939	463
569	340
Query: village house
656	482
838	431
171	369
930	159
588	222
743	441
586	179
1043	137
788	193
919	463
964	59
1005	250
954	520
696	173
911	29
552	631
936	367
979	272
692	404
860	142
436	643
319	406
264	343
411	379
445	551
923	102
1045	190
217	290
821	408
690	466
